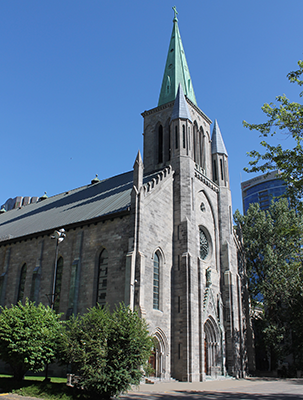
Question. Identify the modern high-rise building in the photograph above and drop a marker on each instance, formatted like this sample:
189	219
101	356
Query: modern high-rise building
262	189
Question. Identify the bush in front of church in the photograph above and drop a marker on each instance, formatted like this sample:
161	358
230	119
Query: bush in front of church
28	337
106	350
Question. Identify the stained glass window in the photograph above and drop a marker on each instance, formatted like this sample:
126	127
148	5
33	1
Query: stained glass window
204	245
58	284
102	278
156	283
22	283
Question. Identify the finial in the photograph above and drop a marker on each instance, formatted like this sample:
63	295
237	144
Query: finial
176	12
95	180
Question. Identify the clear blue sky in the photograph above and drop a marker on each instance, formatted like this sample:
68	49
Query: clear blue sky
76	76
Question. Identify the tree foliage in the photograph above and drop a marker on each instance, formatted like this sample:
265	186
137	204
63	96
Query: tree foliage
273	242
28	337
287	118
107	350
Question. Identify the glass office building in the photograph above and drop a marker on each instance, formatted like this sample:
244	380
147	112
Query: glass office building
262	190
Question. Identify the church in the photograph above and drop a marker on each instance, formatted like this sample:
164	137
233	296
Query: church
159	238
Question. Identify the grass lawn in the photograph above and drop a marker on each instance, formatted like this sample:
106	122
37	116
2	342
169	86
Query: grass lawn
33	386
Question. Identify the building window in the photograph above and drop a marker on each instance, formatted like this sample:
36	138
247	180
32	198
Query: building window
215	171
204	245
21	283
221	169
58	284
194	142
176	137
102	278
160	144
184	141
156	285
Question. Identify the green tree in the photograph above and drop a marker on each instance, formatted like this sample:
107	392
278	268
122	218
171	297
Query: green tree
28	337
287	118
273	242
107	350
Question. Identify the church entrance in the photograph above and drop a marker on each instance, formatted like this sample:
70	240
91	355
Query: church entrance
157	360
212	356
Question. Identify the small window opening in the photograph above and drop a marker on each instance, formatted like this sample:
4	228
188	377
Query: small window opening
215	171
221	169
160	144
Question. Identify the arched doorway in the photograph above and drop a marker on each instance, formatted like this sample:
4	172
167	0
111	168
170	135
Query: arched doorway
158	358
212	348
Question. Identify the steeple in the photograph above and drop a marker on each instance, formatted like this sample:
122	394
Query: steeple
219	158
217	144
176	69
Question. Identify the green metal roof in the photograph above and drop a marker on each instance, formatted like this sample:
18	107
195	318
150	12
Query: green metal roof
176	70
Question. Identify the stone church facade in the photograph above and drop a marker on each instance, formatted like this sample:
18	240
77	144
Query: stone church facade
159	238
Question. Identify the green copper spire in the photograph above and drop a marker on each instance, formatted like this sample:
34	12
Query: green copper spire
176	69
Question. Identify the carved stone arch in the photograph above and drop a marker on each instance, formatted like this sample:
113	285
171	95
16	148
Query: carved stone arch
211	207
159	250
160	353
215	222
212	348
210	305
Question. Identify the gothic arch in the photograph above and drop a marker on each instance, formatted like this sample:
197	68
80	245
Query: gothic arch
161	254
212	347
159	358
215	242
211	207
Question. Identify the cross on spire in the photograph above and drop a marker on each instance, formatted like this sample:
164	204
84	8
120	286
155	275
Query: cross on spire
176	12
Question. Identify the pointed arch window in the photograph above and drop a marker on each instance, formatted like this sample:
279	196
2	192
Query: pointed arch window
184	140
58	284
195	141
204	245
21	283
156	282
176	137
102	278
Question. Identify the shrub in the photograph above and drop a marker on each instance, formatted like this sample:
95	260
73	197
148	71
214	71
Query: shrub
107	350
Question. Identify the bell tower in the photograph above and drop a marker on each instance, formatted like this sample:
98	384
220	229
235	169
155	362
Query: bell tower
204	311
